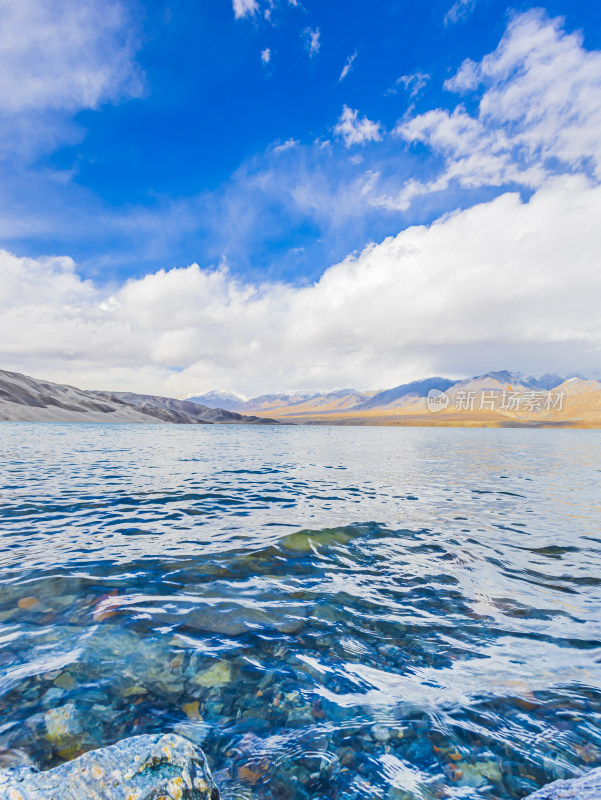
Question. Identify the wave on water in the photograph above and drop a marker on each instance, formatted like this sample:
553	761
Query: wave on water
449	649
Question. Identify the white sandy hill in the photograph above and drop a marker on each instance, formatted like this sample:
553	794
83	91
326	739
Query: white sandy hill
25	399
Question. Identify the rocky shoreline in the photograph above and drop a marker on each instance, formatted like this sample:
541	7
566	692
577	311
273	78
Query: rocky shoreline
139	768
172	768
586	788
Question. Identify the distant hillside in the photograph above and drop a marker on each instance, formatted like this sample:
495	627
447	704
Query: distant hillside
302	404
230	401
503	377
267	401
29	400
494	399
398	395
469	402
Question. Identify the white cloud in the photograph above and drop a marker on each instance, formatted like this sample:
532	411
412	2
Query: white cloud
503	284
506	283
348	66
543	91
57	58
459	10
354	130
281	147
539	113
312	40
65	55
244	8
248	8
266	55
413	83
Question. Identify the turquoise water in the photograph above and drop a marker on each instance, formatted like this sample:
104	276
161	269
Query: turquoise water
330	612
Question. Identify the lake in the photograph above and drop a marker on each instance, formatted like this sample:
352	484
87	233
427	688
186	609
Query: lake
330	612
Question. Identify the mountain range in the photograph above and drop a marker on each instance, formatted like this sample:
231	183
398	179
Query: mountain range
30	400
357	401
495	399
408	402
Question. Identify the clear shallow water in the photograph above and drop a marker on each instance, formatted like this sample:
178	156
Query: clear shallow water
331	612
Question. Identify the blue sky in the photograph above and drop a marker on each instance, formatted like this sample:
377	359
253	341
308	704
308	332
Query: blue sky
202	135
268	141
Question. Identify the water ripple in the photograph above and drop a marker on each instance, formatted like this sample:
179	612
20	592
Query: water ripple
332	613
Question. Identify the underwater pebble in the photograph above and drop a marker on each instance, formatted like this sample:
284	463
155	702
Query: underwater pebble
217	675
28	603
134	691
381	733
64	681
63	723
53	695
191	710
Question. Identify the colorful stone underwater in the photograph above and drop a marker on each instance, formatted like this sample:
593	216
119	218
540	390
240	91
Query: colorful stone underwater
333	614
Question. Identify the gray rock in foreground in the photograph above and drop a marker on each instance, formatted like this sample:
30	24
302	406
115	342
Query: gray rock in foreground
140	768
587	788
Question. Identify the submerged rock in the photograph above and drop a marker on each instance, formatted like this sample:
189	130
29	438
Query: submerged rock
587	788
217	675
63	724
139	768
305	541
234	618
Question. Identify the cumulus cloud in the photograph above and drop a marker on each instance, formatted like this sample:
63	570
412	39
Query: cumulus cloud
347	66
266	55
506	283
509	283
354	130
539	113
67	55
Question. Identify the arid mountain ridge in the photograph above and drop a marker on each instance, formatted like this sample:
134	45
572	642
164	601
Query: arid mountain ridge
25	399
347	399
497	399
